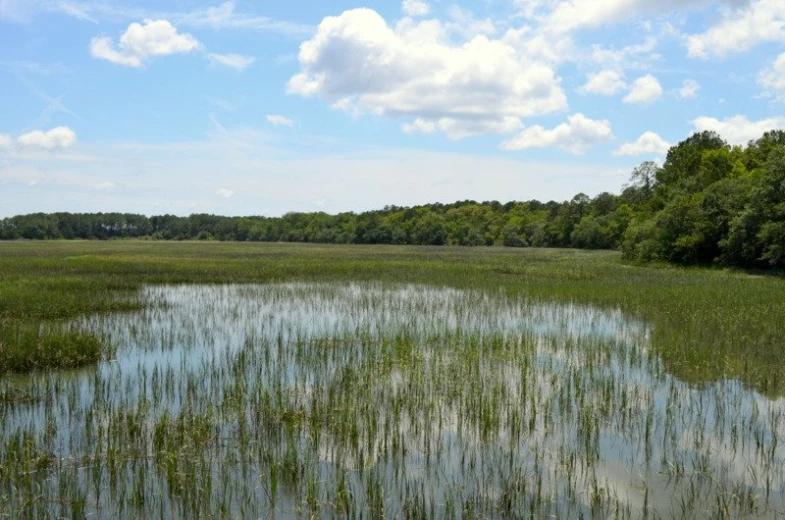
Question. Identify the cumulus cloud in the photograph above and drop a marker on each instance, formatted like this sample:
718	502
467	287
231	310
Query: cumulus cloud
59	137
225	193
646	89
605	83
358	63
773	79
279	120
576	136
234	61
649	143
738	129
140	42
6	142
752	23
689	89
415	8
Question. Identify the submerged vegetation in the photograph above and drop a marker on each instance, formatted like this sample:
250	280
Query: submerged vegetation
709	203
302	381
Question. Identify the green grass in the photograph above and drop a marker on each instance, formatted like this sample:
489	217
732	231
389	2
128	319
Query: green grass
708	324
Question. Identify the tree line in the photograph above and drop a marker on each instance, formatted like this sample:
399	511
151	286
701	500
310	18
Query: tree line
708	203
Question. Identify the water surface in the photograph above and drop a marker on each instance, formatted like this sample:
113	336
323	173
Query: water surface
294	400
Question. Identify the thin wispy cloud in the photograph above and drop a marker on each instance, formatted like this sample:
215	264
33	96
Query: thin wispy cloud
233	61
219	17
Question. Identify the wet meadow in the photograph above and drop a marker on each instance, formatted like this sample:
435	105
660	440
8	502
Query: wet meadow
230	380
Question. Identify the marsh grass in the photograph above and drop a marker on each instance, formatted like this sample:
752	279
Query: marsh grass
369	382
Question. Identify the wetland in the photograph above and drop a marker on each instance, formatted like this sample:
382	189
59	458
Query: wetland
260	381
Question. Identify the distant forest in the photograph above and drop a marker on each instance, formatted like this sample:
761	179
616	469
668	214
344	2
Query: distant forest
708	203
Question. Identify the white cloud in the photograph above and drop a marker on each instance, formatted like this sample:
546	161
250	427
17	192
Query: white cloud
606	83
279	120
139	42
6	142
235	61
415	8
60	137
647	144
738	129
754	22
576	136
645	89
689	89
357	62
773	79
225	193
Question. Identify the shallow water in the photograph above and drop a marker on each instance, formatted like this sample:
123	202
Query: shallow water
294	400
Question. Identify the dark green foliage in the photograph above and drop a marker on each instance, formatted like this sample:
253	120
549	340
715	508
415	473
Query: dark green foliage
683	164
465	223
714	204
757	234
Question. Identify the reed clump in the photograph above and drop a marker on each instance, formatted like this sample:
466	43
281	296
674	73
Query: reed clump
26	347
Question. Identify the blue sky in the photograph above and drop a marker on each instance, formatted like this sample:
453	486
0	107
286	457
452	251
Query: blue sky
250	108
